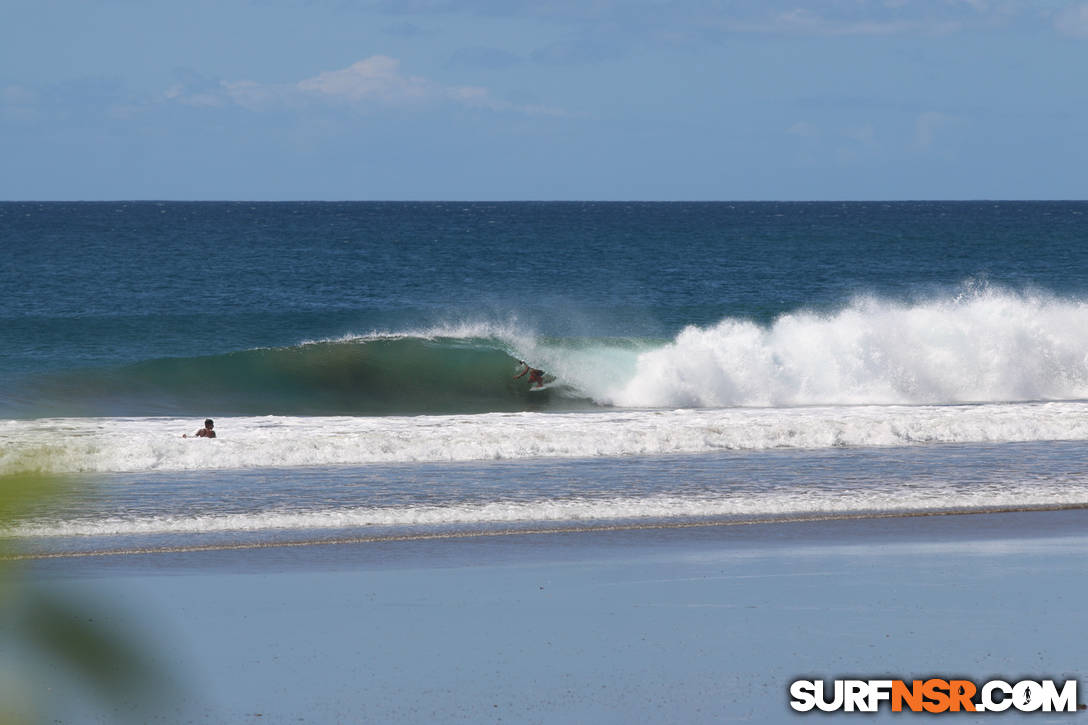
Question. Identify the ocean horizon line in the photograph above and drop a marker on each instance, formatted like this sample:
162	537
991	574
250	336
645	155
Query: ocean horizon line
977	200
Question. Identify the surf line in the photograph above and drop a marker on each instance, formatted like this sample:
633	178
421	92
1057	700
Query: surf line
541	531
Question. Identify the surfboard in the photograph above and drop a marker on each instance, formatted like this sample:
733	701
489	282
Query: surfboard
548	380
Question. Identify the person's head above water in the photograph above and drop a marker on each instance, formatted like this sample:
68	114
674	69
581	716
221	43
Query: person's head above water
208	431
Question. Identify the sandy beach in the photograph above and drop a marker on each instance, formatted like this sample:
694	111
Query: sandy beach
704	624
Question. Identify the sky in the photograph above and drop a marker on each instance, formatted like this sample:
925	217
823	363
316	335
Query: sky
538	100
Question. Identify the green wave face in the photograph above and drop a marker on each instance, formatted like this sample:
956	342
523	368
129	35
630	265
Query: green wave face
374	376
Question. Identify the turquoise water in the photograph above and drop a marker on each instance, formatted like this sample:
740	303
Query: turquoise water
359	336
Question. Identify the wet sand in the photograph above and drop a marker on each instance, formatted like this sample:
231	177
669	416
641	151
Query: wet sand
704	624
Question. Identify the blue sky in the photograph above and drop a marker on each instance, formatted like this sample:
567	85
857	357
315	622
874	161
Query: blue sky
512	99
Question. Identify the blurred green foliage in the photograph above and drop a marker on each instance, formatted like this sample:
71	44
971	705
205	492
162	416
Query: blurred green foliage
52	644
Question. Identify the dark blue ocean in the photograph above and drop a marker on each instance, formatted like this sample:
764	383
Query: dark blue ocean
712	361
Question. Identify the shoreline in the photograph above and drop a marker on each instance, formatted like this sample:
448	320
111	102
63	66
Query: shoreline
698	624
541	530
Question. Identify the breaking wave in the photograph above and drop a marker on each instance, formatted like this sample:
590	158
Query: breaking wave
982	346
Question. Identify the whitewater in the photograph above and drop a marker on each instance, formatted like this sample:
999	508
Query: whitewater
96	445
985	346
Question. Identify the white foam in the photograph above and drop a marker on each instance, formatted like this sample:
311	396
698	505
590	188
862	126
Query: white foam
72	445
985	346
746	506
465	330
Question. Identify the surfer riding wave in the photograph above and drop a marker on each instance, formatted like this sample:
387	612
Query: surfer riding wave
535	376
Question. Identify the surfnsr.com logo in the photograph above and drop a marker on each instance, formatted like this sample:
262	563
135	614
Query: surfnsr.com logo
933	695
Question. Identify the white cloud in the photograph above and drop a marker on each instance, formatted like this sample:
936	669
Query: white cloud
377	81
979	6
801	21
198	99
845	18
927	125
804	129
1073	21
18	103
864	134
377	78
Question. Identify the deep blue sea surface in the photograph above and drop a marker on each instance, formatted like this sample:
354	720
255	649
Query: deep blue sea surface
711	360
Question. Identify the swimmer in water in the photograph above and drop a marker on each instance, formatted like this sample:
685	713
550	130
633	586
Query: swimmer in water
208	431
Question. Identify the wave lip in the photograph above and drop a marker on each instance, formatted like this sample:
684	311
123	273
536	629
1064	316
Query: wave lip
75	445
